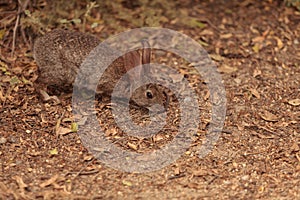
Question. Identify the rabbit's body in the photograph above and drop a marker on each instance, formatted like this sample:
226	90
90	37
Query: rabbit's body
60	53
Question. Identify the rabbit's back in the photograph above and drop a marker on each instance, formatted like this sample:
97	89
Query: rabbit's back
59	55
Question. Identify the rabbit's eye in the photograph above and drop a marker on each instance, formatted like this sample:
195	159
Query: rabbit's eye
149	94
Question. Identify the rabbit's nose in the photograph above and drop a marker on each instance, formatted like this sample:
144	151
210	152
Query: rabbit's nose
157	109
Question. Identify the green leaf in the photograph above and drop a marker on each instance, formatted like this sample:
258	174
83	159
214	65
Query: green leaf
14	80
53	152
127	183
76	21
256	48
74	127
2	32
203	43
63	21
94	25
25	81
195	23
27	12
3	69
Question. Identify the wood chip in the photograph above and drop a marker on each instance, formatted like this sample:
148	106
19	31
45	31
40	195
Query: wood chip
127	183
227	69
176	77
267	116
49	181
63	131
294	102
20	182
216	57
279	42
132	146
255	93
226	36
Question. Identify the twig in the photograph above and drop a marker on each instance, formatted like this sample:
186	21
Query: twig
2	58
25	39
82	172
15	33
58	124
21	9
213	179
7	12
176	176
210	23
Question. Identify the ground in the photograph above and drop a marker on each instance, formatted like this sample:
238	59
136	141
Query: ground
256	47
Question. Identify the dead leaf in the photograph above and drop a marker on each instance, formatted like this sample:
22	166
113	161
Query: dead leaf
127	183
158	137
200	172
17	70
255	93
216	57
132	146
279	42
206	96
258	39
294	102
227	69
49	181
270	117
262	136
203	43
2	97
88	158
20	182
237	80
111	132
63	131
3	187
256	72
284	66
261	189
295	147
266	32
176	77
256	47
177	171
206	32
82	120
3	66
226	36
26	82
34	153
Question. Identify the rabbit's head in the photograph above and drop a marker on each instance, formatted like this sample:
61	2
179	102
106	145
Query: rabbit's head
149	94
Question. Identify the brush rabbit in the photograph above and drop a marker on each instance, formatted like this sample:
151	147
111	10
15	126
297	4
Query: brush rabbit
59	54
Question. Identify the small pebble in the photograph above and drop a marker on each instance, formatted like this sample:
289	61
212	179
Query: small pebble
187	99
3	140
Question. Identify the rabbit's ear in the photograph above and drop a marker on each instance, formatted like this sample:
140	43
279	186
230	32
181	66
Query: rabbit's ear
146	57
132	60
146	52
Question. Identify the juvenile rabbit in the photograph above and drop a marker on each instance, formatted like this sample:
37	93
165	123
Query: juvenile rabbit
60	53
